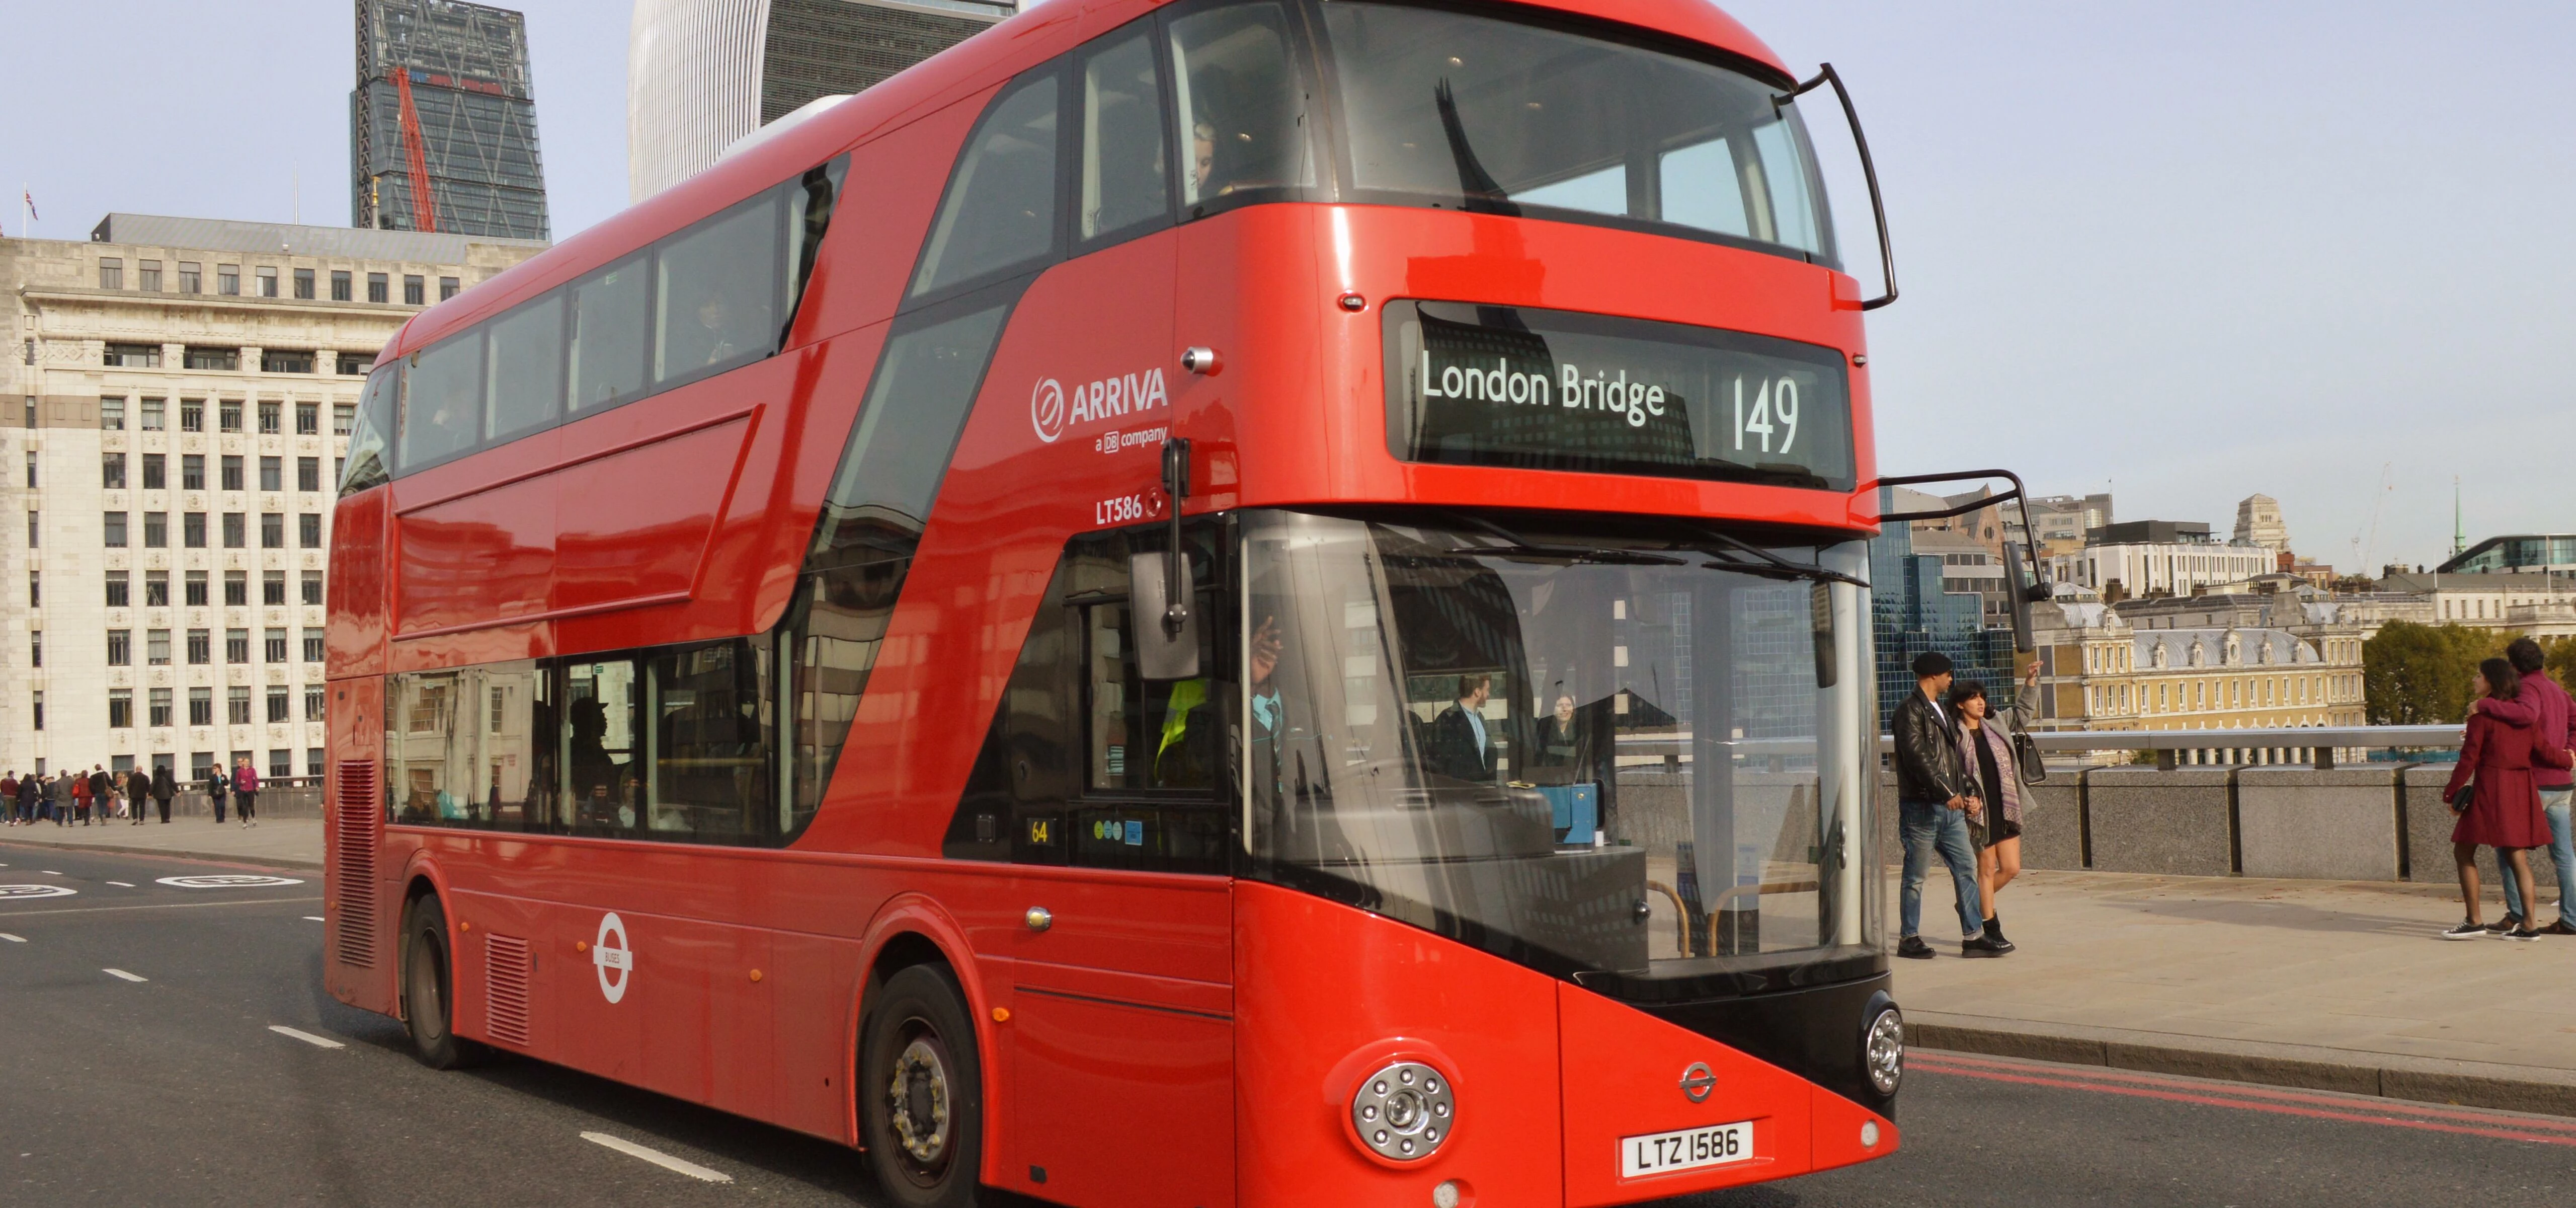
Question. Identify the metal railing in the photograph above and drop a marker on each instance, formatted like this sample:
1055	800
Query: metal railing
2322	747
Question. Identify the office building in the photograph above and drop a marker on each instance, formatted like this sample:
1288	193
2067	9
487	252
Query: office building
2157	557
2258	522
443	94
2197	665
1921	600
2524	553
2060	521
180	393
2539	603
703	74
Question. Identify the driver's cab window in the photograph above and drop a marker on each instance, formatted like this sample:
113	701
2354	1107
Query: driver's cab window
1144	734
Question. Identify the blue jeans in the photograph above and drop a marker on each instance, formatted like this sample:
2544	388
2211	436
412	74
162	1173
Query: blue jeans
2554	803
1929	826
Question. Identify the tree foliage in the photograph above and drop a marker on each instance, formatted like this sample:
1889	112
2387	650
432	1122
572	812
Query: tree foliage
2419	675
2562	660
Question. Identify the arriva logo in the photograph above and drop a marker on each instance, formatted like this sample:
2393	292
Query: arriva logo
1113	397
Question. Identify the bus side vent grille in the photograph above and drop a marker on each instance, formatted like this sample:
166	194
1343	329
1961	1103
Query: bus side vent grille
361	826
505	981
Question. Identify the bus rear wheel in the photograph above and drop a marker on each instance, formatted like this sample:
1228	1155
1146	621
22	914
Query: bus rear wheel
429	989
921	1091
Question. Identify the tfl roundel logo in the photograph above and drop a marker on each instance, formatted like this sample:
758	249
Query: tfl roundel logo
1046	410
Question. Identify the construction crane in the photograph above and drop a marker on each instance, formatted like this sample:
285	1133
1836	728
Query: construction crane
424	215
2364	548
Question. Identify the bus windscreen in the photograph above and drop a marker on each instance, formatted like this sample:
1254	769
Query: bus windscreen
1557	390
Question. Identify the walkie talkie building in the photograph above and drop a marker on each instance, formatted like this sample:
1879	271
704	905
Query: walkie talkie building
701	74
442	96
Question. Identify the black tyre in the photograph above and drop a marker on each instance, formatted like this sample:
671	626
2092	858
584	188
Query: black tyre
921	1102
429	989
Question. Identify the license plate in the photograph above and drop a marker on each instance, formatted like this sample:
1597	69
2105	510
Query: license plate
1689	1149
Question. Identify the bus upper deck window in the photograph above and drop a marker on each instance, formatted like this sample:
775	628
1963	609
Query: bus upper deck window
608	334
525	389
1240	101
1000	209
716	290
442	412
1122	139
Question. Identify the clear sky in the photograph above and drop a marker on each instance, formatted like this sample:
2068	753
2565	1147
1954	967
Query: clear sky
2191	251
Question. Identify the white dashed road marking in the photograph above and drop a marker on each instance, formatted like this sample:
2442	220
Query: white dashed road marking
12	938
122	884
307	1037
658	1158
49	872
122	973
314	918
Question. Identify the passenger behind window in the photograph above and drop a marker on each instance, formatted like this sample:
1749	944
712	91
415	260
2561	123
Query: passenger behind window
600	784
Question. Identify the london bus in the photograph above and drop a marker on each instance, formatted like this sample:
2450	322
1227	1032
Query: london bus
1225	602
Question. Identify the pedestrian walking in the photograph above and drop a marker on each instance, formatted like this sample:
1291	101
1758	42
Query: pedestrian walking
164	787
138	789
30	790
216	787
1934	799
102	792
2540	702
1986	754
80	798
58	798
246	791
9	797
2498	803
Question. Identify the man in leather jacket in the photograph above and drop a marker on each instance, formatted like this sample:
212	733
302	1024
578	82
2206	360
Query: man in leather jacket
1935	797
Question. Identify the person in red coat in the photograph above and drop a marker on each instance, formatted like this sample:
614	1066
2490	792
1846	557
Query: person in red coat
2503	810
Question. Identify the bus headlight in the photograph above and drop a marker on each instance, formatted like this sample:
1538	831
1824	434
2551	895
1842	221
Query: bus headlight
1404	1111
1883	1052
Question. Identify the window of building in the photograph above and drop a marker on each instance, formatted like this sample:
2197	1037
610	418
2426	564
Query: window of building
111	272
33	529
342	416
201	712
308	530
35	581
308	473
272	587
156	471
271	418
120	588
236	530
267	277
115	525
446	288
312	761
156	645
308	419
111	414
120	708
156	415
192	415
273	646
304	284
272	530
286	360
31	469
36	712
237	704
312	587
201	647
192	531
279	704
120	648
35	648
272	473
195	589
111	471
156	589
131	356
156	530
191	278
160	717
147	275
340	285
313	699
236	589
236	645
376	287
312	646
228	279
356	364
199	356
281	763
415	290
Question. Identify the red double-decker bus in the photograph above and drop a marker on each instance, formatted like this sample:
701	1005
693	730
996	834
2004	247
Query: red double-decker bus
1231	602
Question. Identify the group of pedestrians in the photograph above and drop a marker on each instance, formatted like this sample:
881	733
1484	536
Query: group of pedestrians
102	796
1958	789
2511	791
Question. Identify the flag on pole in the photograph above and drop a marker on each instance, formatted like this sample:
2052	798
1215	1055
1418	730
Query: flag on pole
30	199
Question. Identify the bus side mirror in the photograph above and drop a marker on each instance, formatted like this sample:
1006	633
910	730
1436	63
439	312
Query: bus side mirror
2024	594
1161	653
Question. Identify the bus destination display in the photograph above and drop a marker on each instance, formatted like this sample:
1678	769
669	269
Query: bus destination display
1558	390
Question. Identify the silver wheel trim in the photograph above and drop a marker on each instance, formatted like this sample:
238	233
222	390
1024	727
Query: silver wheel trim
1884	1056
919	1059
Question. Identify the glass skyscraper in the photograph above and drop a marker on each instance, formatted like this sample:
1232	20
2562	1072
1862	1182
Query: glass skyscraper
463	68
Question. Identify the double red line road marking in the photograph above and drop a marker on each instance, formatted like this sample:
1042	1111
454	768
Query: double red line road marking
2314	1105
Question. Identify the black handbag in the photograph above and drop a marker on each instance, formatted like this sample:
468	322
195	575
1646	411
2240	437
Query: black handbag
2026	759
2461	800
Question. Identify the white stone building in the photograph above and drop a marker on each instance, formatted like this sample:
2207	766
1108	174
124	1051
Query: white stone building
2258	522
180	395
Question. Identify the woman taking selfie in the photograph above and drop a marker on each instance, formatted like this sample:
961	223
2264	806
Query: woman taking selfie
1985	747
2498	802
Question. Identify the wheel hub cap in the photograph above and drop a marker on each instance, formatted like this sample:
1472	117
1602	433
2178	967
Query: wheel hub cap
918	1099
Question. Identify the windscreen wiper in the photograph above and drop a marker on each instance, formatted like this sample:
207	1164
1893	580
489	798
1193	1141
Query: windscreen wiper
1515	545
1768	563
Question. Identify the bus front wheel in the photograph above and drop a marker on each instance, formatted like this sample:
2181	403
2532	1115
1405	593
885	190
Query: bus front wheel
429	989
921	1091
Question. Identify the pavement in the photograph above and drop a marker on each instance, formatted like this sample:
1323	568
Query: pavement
282	842
2340	986
170	1045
